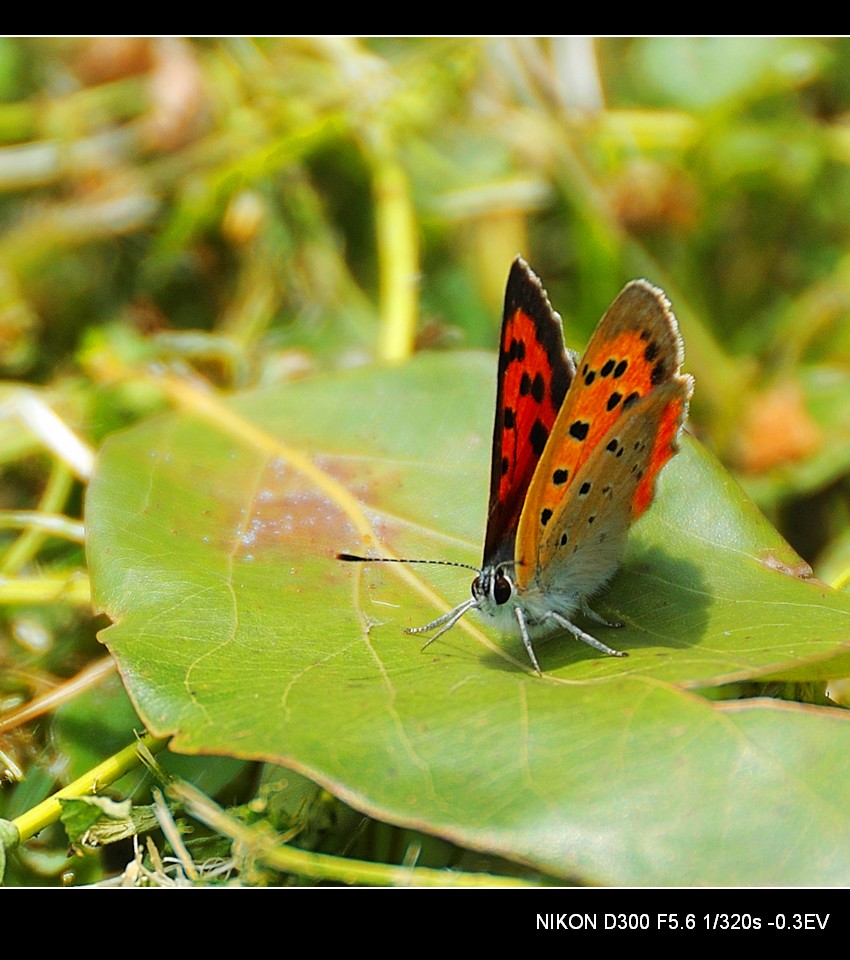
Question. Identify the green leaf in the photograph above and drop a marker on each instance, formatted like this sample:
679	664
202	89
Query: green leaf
97	821
212	538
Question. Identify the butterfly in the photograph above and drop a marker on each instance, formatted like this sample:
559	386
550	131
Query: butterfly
577	447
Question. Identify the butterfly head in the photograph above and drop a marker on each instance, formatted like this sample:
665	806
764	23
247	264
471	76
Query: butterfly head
493	587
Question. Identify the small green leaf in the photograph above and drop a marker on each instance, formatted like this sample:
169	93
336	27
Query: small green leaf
9	840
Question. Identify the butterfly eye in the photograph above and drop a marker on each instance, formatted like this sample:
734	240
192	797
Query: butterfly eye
502	589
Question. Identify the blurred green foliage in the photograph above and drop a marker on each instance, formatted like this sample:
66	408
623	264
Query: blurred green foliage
246	211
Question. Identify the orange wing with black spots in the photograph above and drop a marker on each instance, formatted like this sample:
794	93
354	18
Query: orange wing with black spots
635	350
535	372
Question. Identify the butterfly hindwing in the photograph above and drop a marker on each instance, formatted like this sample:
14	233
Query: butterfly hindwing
634	353
584	541
535	372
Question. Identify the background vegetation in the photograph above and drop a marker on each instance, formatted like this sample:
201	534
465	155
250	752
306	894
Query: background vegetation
184	218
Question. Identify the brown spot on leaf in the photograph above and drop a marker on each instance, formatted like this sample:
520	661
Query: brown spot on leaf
791	566
288	513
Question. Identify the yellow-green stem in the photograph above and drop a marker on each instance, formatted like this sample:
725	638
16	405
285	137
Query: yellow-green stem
398	259
72	589
47	812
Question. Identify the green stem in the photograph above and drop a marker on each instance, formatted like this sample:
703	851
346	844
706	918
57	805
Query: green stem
55	495
53	524
841	581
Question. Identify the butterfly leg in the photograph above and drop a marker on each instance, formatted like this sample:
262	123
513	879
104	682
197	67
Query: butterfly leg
526	640
592	615
446	622
579	634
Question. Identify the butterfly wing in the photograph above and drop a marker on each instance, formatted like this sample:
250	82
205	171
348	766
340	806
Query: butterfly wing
617	428
535	372
581	547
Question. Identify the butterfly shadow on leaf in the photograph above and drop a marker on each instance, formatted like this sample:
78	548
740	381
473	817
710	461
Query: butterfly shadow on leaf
661	597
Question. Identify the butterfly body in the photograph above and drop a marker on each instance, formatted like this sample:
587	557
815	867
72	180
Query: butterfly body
577	448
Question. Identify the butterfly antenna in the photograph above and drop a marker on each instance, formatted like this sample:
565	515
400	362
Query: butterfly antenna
353	558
